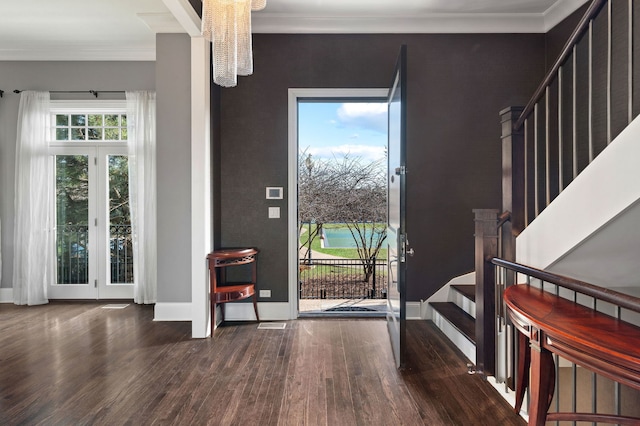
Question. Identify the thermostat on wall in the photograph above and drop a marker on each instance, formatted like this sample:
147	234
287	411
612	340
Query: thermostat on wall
274	193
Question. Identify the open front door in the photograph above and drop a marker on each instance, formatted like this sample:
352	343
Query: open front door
396	202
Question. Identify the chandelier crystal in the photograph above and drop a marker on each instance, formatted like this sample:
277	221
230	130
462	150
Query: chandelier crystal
227	25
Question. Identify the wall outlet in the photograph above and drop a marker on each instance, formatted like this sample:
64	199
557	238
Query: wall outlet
265	293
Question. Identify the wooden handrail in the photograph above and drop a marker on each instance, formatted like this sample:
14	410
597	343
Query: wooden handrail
583	25
504	218
607	295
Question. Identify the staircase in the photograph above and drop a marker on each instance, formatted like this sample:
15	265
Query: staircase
453	311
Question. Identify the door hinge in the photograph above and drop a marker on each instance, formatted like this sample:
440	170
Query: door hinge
95	283
95	221
95	161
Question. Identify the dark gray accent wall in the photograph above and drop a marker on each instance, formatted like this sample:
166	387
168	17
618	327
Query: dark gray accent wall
51	75
173	89
457	84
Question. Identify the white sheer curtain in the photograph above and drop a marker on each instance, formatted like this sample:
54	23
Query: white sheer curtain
33	259
141	124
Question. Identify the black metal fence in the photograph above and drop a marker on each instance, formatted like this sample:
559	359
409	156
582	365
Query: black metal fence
342	279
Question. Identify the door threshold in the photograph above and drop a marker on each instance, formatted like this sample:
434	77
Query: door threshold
342	314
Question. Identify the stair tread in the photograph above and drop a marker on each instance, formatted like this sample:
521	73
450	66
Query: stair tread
461	320
467	290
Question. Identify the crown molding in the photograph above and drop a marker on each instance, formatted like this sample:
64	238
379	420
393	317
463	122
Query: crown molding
428	24
559	11
79	53
161	22
435	23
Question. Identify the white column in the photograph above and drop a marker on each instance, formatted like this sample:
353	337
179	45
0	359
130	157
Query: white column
201	219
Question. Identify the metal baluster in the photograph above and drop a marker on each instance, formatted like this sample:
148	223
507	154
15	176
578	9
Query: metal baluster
575	112
594	381
526	173
547	149
590	113
535	160
560	138
630	64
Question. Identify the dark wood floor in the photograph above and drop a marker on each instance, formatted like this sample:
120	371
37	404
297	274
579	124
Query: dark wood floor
75	364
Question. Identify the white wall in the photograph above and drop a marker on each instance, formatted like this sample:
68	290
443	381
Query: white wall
52	76
591	231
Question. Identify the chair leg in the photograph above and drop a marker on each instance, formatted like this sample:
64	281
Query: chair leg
255	306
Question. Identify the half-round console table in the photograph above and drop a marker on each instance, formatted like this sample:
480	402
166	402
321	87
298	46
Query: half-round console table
549	324
223	292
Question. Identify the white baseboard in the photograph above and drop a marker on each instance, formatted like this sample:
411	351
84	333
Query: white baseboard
6	295
172	312
414	311
509	396
269	311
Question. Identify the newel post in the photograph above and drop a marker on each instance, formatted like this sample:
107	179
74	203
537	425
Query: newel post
486	242
513	172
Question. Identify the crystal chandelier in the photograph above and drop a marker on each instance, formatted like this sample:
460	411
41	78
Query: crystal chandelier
227	25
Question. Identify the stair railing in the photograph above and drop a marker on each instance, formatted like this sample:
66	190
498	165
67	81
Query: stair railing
590	94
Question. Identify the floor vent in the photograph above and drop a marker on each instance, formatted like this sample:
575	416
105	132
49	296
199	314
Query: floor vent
272	325
115	306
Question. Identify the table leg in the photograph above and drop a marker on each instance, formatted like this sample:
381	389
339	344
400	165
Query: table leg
543	377
524	363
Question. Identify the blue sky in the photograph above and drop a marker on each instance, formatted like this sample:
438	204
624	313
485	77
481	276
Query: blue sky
332	129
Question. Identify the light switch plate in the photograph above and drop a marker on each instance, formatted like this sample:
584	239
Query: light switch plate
274	212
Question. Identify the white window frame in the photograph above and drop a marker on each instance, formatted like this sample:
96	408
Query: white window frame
98	233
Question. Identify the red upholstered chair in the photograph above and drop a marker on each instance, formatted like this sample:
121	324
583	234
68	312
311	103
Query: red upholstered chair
223	292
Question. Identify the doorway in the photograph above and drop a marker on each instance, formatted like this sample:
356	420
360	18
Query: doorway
93	246
337	261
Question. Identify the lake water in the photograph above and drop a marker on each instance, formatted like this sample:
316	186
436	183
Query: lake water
340	238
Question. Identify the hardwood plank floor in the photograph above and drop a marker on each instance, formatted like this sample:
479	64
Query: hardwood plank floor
79	364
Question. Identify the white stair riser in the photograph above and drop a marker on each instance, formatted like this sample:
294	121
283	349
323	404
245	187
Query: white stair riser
464	303
458	339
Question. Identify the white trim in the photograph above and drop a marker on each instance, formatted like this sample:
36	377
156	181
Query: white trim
466	346
71	52
6	295
559	11
161	22
443	23
428	23
201	238
292	181
268	311
172	312
86	106
414	311
185	15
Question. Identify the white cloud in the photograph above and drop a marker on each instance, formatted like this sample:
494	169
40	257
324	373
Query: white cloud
372	116
366	152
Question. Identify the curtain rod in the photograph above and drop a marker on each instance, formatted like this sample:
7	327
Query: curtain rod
93	92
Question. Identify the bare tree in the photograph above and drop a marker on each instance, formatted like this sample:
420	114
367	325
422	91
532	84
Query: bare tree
346	190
